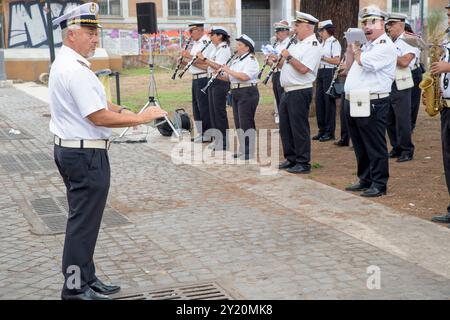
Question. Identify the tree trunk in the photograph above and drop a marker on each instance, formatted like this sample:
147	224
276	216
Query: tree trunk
343	13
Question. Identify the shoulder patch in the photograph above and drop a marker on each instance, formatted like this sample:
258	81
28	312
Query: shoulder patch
314	43
382	41
205	41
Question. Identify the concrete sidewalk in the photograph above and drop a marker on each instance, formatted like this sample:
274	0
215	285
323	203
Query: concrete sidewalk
257	236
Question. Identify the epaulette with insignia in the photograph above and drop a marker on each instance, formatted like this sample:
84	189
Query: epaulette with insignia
314	43
83	64
382	41
205	41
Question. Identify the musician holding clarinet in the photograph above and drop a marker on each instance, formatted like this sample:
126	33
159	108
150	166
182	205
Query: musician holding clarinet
217	89
243	75
198	69
298	72
282	33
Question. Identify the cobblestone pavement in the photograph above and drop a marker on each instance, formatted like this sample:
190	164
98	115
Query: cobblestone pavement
195	225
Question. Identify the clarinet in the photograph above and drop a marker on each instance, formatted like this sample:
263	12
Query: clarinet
177	68
333	81
275	65
194	58
219	72
266	62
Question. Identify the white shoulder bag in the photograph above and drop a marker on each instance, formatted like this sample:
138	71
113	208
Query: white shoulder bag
403	78
360	103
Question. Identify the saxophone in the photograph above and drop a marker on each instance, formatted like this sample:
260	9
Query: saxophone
431	85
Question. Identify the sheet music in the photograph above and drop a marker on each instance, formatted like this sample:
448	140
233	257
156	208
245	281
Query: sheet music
355	35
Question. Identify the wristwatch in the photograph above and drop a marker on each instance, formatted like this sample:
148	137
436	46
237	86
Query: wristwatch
289	58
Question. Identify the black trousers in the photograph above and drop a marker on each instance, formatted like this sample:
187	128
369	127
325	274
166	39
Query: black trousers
200	106
86	174
245	102
277	88
416	93
445	138
294	126
217	97
345	137
325	104
368	135
399	121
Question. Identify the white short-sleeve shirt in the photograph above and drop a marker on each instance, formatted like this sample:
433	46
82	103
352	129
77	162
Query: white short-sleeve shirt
75	92
309	53
197	47
379	62
247	64
445	77
403	49
331	48
220	55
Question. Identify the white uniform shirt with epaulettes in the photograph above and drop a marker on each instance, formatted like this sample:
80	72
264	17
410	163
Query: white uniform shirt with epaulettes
445	77
219	55
379	62
247	64
75	92
308	52
403	49
331	48
197	47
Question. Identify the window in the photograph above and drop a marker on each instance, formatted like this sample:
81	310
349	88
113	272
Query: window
110	7
410	8
186	8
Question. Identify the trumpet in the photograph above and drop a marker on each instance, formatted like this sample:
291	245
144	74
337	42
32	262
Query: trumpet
217	74
194	58
180	60
331	90
266	62
292	39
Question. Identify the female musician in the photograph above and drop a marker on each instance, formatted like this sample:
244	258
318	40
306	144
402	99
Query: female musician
243	74
217	92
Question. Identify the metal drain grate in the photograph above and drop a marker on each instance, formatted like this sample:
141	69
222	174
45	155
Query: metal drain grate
24	162
53	213
208	291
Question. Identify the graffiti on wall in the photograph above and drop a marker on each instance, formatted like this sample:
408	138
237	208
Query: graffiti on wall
28	21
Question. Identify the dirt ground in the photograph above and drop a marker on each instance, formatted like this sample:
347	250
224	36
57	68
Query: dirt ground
416	187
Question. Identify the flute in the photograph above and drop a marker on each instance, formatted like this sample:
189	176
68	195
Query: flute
217	74
194	58
275	65
180	60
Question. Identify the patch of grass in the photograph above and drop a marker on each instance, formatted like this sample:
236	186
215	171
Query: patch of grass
169	101
317	165
134	72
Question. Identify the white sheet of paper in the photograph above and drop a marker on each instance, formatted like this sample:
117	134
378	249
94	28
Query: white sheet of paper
355	35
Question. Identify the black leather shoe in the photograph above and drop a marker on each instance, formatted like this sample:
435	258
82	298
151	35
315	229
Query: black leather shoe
298	168
442	219
102	288
394	154
286	165
341	143
89	294
404	158
373	192
317	136
357	187
326	137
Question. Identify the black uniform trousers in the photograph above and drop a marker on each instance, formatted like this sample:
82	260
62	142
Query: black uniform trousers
245	102
86	174
345	137
217	97
294	126
445	138
200	106
277	88
325	104
416	93
368	135
399	121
